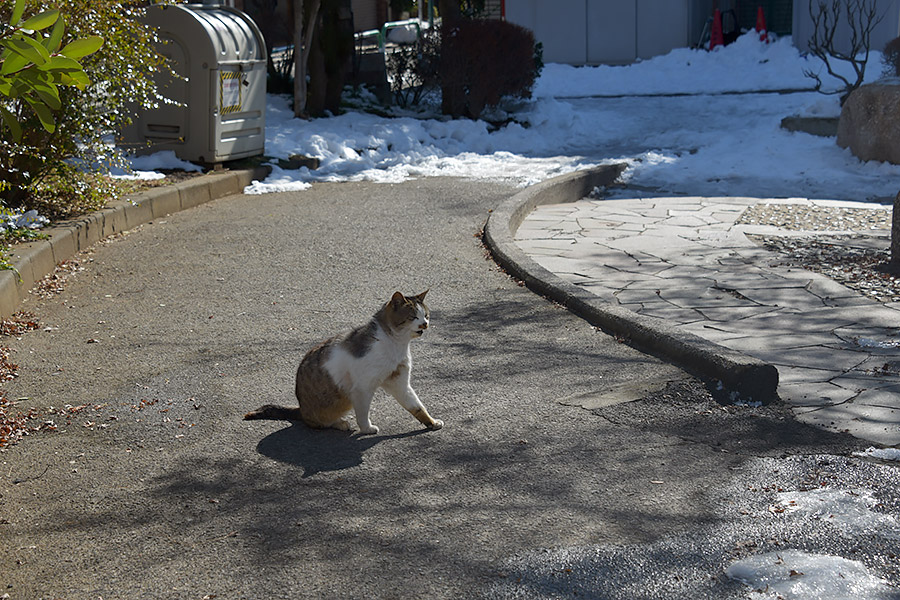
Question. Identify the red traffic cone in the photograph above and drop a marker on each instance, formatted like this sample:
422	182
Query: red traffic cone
716	38
761	28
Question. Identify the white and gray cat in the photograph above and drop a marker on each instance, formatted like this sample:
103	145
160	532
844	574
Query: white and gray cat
341	374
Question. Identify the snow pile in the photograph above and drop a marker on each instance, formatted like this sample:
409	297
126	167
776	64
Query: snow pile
364	147
19	220
147	167
793	574
744	66
707	142
676	145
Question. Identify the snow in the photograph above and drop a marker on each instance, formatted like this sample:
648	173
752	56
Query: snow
744	66
10	220
850	511
794	575
690	122
148	166
880	453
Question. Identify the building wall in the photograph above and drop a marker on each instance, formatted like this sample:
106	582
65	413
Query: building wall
620	31
605	31
885	31
366	15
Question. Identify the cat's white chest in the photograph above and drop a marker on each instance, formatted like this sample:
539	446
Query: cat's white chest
369	371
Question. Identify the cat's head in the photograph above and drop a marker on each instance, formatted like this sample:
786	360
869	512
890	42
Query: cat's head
407	314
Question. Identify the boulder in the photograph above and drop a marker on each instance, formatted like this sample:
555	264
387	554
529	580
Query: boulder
870	122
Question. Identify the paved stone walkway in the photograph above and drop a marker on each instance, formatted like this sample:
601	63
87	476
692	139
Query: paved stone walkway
686	260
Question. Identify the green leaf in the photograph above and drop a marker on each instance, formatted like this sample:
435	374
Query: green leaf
79	79
15	62
30	76
29	82
17	11
83	47
49	94
28	48
52	43
41	20
12	124
43	114
61	63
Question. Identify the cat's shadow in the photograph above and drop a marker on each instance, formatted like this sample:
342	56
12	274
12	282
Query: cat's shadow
321	450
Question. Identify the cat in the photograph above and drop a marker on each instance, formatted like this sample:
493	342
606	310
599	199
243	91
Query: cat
341	374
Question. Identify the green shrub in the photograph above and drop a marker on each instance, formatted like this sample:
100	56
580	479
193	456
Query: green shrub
473	64
33	64
484	60
891	58
414	69
53	168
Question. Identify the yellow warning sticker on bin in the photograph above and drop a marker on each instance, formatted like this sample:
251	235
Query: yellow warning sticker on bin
230	91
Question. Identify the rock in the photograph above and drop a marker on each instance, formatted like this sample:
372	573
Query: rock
870	122
820	126
296	161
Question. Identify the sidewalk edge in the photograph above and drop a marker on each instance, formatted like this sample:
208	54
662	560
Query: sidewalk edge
745	377
34	260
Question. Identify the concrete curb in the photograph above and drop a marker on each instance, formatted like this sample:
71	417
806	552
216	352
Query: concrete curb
749	377
34	260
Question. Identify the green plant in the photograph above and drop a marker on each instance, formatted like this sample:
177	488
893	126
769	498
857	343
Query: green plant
18	227
890	56
413	69
279	69
482	61
117	79
33	66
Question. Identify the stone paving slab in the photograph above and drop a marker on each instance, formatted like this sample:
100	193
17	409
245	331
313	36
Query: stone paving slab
688	261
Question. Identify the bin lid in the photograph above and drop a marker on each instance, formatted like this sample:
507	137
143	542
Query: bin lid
233	35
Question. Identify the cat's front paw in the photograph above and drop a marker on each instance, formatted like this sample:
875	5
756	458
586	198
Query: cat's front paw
436	424
370	430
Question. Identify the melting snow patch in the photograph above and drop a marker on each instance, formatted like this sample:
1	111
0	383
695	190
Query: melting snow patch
870	343
796	575
18	220
851	511
882	453
278	181
165	159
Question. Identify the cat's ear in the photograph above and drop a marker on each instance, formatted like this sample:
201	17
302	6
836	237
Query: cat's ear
397	299
421	297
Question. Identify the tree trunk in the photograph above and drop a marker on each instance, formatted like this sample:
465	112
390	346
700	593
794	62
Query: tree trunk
453	93
299	63
330	57
302	44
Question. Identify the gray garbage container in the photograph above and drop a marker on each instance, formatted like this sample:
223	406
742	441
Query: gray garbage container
221	111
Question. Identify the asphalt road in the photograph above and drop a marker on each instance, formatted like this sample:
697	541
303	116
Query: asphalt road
561	446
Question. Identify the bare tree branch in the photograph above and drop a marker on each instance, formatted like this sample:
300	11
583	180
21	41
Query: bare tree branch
861	17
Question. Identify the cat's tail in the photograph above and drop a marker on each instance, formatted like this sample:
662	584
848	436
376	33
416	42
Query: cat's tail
278	413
